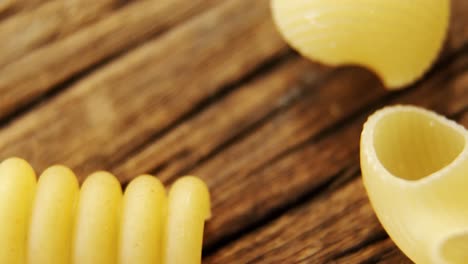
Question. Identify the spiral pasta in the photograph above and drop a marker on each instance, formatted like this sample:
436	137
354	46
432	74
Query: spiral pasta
414	165
53	221
398	39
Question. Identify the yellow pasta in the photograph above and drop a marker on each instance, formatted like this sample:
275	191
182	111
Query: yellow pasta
51	226
17	189
141	237
97	221
188	209
59	223
398	39
414	165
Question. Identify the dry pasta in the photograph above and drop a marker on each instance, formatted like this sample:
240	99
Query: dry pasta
53	221
398	39
414	165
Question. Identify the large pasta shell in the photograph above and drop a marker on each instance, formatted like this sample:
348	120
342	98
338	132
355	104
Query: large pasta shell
398	39
415	170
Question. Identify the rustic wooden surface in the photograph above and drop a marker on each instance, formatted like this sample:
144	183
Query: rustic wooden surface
209	88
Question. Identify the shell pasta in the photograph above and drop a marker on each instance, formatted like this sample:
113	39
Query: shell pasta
397	39
54	221
414	164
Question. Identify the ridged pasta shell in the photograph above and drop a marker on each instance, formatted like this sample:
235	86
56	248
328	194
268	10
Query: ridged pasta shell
415	169
398	39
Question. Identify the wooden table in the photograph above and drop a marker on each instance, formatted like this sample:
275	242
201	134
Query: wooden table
207	87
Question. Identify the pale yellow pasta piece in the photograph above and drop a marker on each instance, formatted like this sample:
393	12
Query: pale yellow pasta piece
98	220
58	223
51	227
17	188
188	208
398	39
415	170
143	218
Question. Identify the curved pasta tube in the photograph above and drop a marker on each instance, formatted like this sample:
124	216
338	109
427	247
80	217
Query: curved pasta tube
97	220
188	209
51	226
397	39
59	223
414	164
141	237
17	189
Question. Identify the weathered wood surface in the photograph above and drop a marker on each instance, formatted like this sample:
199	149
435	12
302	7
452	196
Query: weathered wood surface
209	88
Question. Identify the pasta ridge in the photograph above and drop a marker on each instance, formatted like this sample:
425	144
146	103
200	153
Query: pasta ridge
414	163
398	40
53	220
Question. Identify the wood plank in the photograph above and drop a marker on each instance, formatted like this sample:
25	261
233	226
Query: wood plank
236	187
12	7
188	145
328	225
333	223
381	252
296	176
246	204
85	138
198	148
38	72
24	32
258	160
44	69
117	108
336	235
227	119
458	30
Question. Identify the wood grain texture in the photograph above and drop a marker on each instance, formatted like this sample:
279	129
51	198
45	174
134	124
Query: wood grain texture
318	240
42	70
192	142
52	20
381	252
212	90
301	174
11	7
110	112
458	30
